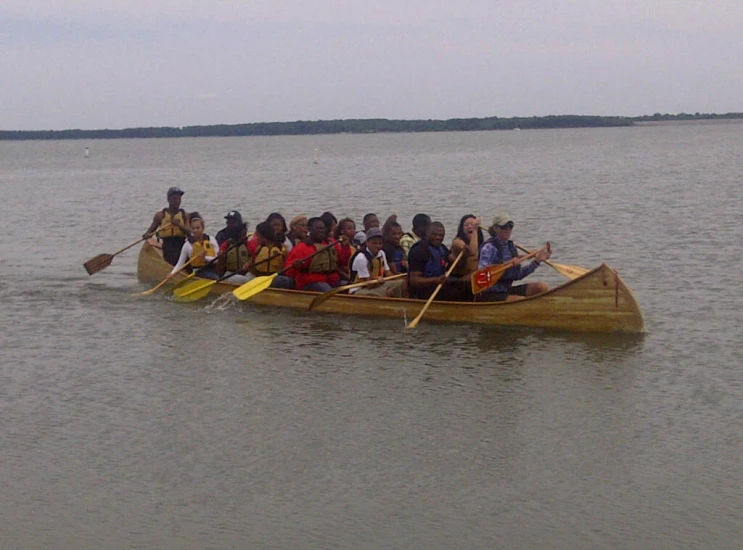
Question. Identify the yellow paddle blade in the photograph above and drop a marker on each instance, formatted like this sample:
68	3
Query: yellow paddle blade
184	290
569	271
194	291
251	288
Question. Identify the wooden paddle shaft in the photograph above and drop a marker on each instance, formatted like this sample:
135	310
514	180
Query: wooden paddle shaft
415	321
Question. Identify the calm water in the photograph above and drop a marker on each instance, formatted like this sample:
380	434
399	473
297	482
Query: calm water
134	422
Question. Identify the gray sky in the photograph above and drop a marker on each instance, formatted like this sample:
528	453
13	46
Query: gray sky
123	63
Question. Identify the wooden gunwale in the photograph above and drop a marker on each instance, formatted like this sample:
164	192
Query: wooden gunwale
598	301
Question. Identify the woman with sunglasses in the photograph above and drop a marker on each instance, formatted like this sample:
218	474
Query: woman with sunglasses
500	250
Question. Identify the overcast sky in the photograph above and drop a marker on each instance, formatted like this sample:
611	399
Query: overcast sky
122	63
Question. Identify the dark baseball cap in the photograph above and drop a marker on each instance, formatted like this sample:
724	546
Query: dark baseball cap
234	215
175	191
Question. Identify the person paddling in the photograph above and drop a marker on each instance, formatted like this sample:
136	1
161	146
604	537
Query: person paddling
233	221
370	262
234	257
270	255
319	273
200	249
500	250
173	224
427	263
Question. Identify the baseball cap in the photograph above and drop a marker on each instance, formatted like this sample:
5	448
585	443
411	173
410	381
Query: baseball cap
175	191
234	215
374	232
502	219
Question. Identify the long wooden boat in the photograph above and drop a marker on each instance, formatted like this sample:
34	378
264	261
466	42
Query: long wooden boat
598	301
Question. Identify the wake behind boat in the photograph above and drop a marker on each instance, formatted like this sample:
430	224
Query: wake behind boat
598	301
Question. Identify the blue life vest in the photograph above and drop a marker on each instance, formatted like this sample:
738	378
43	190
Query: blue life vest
436	264
396	257
499	247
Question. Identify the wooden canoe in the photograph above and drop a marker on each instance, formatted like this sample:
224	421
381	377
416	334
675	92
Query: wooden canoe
598	301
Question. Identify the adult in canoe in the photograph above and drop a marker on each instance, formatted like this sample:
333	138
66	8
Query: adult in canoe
469	238
421	225
233	222
427	263
199	250
499	250
172	225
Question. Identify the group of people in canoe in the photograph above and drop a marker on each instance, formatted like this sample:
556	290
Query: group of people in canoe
321	253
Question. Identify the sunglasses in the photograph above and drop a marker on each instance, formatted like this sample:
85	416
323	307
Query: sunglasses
508	226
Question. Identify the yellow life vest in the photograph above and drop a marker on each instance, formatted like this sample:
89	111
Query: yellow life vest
324	262
171	230
264	266
376	266
204	245
236	258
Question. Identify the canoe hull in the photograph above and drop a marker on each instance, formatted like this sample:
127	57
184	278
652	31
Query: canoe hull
598	301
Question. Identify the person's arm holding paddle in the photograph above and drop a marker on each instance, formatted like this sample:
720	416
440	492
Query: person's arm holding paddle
156	221
501	265
183	259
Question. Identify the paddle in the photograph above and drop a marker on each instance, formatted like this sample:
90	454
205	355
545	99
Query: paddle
199	289
414	322
189	276
484	278
259	284
569	271
102	261
166	279
330	293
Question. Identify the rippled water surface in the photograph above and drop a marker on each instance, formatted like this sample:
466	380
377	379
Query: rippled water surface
139	422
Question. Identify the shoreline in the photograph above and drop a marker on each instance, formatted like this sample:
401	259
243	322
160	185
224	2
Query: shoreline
373	126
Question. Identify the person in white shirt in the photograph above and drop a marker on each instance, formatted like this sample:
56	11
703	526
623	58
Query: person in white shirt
200	248
370	262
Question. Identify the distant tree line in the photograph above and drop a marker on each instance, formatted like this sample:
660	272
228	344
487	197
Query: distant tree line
686	116
357	126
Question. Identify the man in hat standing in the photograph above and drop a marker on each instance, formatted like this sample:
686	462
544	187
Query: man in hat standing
500	250
172	225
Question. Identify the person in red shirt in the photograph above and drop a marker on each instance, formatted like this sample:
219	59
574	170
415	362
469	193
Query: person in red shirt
319	272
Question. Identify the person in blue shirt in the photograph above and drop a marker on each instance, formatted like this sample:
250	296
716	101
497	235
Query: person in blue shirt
500	250
428	261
